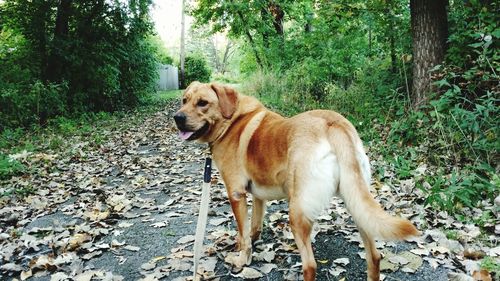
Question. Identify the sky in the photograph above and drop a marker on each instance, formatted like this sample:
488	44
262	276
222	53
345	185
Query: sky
166	15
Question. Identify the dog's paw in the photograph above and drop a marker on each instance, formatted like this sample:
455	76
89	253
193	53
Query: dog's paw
239	259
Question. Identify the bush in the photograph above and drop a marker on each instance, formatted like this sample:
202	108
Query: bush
195	69
9	167
35	103
103	62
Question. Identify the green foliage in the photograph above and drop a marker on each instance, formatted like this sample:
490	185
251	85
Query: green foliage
492	264
96	58
196	69
32	104
225	78
474	33
9	167
161	53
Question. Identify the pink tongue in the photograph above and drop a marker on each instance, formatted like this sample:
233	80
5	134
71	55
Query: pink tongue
185	135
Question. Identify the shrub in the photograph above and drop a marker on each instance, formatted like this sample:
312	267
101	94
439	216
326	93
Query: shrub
9	167
23	105
196	69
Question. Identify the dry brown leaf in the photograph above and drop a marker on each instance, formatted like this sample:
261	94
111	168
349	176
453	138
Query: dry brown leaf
482	275
77	240
26	274
454	276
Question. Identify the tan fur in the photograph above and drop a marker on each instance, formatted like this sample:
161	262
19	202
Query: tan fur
249	143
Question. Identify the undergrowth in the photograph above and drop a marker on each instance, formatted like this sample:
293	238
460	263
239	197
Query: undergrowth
454	139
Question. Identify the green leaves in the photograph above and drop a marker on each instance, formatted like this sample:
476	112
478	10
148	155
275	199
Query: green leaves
101	61
196	69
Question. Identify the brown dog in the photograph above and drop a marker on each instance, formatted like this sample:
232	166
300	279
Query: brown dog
307	159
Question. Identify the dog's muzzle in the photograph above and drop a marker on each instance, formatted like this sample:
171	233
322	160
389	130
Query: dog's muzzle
185	132
180	120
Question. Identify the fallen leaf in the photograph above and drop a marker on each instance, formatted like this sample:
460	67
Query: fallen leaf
217	222
399	260
453	276
159	224
84	276
186	239
59	276
482	275
267	268
148	266
131	248
343	261
337	270
249	273
11	267
26	274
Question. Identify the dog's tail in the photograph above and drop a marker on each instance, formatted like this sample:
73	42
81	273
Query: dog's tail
353	186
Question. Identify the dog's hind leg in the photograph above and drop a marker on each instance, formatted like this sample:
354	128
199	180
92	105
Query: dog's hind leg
258	211
372	256
301	229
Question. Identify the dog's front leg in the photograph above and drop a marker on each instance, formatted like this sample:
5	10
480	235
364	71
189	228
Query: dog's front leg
238	200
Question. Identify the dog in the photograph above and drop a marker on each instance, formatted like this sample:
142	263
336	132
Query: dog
306	159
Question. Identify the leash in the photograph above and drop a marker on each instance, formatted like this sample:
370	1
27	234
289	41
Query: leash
202	216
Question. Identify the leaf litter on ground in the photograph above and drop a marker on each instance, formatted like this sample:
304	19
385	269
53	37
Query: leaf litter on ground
97	194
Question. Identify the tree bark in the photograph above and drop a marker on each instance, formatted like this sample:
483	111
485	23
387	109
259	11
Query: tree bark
278	15
429	33
182	52
55	63
225	59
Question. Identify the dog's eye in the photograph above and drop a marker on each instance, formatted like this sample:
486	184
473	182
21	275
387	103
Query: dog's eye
184	100
202	103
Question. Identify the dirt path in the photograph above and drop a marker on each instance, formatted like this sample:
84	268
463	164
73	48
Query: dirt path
127	211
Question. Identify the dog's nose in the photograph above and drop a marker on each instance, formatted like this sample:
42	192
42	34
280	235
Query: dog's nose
180	118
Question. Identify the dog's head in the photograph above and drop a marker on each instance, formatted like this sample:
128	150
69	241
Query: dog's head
204	109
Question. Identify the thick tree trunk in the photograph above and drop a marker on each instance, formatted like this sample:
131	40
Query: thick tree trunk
55	64
429	31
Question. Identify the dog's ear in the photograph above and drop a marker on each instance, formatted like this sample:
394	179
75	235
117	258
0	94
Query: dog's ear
228	99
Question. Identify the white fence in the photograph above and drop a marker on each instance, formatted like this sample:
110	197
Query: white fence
168	77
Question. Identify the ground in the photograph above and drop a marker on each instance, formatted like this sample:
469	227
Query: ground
126	209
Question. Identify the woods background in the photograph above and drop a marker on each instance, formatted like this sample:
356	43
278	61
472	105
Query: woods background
419	79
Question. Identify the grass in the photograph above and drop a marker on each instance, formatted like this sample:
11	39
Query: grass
165	96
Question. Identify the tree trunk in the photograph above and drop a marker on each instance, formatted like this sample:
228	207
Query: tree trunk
182	55
55	63
278	15
216	60
225	59
429	31
391	33
250	40
392	44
